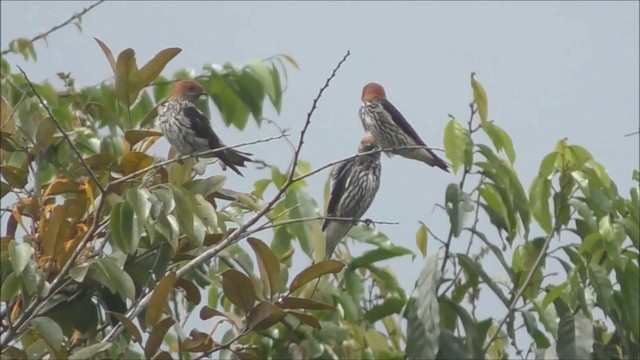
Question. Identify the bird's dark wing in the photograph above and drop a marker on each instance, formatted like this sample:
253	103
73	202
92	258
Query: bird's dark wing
402	123
339	179
399	120
201	126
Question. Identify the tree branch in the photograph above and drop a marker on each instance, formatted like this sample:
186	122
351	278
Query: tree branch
66	136
76	16
238	233
185	157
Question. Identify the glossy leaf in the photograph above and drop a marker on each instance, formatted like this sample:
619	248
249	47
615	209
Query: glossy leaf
192	292
159	299
421	239
268	265
125	228
153	68
19	254
264	315
480	99
315	271
423	326
156	337
302	303
239	289
129	325
456	141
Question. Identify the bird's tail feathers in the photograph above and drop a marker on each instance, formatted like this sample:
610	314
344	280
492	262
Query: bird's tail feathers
334	232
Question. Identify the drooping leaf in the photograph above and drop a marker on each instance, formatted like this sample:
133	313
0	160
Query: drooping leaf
480	99
421	239
315	271
239	289
129	325
456	141
159	299
423	326
156	337
125	228
268	265
264	315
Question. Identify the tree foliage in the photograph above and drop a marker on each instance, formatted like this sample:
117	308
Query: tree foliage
108	249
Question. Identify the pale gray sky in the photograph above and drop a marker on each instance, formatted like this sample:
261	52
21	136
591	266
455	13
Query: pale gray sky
551	70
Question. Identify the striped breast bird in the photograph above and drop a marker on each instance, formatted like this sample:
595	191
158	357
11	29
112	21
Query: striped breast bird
189	130
355	183
390	129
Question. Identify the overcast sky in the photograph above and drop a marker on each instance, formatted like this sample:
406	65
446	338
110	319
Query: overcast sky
551	70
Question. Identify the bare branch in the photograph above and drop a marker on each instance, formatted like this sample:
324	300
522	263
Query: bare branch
66	136
76	16
299	220
185	157
236	235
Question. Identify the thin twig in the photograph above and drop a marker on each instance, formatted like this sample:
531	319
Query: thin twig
75	16
238	233
299	220
66	136
185	157
523	287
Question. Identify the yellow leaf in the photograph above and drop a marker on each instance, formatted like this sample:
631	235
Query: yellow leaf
480	98
421	239
154	67
135	136
134	161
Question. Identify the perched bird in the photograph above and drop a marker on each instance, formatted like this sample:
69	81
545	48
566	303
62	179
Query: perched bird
189	130
390	129
355	183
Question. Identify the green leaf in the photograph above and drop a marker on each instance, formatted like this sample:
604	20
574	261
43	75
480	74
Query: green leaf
89	351
501	140
125	228
108	272
185	215
391	305
423	325
230	105
480	98
50	331
472	266
539	195
575	333
276	101
19	254
10	287
532	328
421	239
630	291
457	141
600	281
376	255
453	201
490	194
251	91
261	71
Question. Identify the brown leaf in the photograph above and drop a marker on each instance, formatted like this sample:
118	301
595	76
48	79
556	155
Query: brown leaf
135	136
128	324
157	336
159	298
191	290
55	229
315	271
207	313
197	342
268	264
108	54
61	186
307	319
302	303
264	315
238	288
99	161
